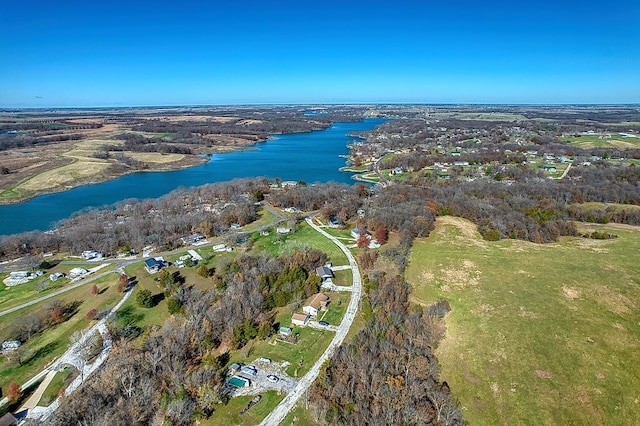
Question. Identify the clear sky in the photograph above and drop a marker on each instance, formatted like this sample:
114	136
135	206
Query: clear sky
131	53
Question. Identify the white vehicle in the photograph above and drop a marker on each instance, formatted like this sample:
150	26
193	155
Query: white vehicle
272	378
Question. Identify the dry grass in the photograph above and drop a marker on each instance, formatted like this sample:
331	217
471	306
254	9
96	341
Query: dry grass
154	157
64	176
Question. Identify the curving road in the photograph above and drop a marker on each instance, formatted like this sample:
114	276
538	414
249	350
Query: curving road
278	414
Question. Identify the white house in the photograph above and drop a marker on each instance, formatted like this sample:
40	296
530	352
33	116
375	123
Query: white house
315	304
77	272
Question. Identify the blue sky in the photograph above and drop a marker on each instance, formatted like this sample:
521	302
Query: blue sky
116	53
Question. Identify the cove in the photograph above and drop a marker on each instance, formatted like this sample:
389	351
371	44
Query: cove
312	157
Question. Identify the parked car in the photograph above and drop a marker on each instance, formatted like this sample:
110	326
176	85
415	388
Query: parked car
323	323
272	378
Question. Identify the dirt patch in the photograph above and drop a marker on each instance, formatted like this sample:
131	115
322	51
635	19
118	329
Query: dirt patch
615	302
459	276
467	229
570	293
427	276
543	374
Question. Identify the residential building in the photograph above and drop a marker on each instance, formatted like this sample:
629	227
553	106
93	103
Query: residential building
315	304
300	319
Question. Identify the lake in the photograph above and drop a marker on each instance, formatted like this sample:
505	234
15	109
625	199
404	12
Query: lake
312	157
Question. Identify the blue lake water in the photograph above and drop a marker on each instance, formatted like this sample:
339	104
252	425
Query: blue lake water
312	157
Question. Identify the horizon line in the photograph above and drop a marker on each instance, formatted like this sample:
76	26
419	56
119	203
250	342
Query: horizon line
275	104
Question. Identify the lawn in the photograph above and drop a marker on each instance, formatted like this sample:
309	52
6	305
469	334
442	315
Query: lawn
229	414
301	356
337	307
45	347
22	293
305	236
62	379
538	334
299	416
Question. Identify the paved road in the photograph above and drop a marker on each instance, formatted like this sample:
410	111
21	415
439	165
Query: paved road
287	404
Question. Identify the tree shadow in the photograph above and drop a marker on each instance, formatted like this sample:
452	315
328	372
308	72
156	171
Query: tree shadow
157	298
41	352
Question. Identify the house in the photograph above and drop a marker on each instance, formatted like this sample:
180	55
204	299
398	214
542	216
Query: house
283	230
195	256
56	276
249	369
19	275
285	331
192	239
234	368
356	232
91	255
335	222
154	264
219	247
324	272
77	272
10	345
300	319
315	304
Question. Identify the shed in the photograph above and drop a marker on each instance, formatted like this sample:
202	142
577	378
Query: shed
300	319
285	331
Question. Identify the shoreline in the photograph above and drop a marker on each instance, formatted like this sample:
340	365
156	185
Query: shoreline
192	160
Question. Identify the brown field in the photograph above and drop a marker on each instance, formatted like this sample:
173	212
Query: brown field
59	166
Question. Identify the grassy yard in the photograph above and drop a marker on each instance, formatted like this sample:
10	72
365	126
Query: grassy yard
305	236
22	293
62	379
229	414
538	334
299	417
301	356
45	347
337	307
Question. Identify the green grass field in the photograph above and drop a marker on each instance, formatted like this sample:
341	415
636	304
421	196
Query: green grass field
305	236
607	140
22	293
229	414
538	334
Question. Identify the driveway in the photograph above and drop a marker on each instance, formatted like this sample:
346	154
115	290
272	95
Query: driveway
279	413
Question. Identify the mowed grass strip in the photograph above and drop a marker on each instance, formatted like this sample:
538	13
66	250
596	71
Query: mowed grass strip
538	334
